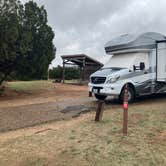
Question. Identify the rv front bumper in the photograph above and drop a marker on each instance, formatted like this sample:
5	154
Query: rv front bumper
105	89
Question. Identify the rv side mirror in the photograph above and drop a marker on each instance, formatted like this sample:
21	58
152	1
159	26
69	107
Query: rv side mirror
134	67
142	65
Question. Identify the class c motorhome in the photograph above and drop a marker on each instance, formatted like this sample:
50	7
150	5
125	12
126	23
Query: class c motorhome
139	61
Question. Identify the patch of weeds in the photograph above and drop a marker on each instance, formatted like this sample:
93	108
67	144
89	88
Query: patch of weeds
75	152
114	129
73	131
96	150
64	151
143	123
105	121
84	134
79	141
34	161
73	149
151	134
109	141
72	137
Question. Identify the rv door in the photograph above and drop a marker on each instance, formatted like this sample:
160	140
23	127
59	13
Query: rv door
161	61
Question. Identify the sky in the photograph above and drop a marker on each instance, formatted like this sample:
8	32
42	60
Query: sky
85	26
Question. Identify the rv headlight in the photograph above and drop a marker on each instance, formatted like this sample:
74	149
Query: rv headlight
112	80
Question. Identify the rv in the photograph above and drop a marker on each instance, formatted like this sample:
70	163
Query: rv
138	61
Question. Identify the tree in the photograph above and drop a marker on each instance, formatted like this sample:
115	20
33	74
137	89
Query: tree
14	39
26	41
35	65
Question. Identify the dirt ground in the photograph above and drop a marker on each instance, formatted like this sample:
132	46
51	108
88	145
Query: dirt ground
52	93
79	141
20	109
52	102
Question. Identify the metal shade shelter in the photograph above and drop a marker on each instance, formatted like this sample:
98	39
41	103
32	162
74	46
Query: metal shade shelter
86	64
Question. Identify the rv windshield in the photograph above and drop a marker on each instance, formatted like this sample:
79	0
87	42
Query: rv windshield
106	71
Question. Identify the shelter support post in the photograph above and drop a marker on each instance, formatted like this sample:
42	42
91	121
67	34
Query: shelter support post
63	72
81	73
83	76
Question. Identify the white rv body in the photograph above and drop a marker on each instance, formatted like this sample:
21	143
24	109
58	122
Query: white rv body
161	62
128	51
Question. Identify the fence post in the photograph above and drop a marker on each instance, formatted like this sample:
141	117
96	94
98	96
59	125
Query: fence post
125	112
90	94
99	111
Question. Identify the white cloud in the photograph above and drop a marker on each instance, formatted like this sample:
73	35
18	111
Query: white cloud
84	26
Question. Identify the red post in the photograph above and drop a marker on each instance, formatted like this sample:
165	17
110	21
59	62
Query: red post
125	112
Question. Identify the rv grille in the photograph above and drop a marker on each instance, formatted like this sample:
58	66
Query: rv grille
98	80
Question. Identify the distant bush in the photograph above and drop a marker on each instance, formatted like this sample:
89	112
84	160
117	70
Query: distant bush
2	88
70	73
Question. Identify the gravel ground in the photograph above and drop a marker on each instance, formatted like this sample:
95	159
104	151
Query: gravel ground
30	115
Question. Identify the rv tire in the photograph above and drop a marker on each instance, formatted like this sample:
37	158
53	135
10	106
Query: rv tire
131	95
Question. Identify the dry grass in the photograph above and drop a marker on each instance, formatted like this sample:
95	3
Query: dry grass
85	142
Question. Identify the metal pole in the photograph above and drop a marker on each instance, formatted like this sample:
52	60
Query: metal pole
125	112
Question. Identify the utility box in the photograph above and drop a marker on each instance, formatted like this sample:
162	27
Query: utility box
161	61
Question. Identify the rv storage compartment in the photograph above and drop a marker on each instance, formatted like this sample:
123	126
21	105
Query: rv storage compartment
161	62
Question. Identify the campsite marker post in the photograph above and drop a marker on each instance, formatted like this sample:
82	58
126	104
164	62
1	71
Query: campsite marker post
99	111
90	94
125	112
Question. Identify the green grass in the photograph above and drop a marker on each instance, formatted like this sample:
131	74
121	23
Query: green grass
96	144
72	81
27	86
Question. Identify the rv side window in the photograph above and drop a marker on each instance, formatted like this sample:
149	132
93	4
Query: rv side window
141	62
140	67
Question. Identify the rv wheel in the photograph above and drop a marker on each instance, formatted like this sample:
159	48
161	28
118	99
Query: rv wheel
131	95
100	97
